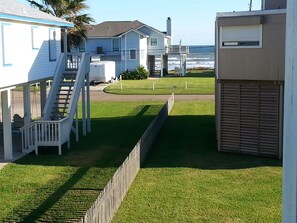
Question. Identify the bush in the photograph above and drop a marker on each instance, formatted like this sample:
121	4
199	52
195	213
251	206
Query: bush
128	75
142	73
139	74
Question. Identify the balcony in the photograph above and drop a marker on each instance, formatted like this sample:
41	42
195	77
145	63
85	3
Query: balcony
177	49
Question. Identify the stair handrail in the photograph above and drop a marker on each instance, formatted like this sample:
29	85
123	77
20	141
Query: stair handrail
84	68
60	68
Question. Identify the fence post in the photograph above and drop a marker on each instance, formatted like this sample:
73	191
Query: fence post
153	86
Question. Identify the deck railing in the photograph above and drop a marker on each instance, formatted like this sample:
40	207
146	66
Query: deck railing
73	60
177	49
45	133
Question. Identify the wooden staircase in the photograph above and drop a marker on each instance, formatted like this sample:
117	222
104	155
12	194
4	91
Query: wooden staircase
70	79
63	96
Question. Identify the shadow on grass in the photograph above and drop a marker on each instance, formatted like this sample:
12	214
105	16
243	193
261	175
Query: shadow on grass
190	141
205	73
81	172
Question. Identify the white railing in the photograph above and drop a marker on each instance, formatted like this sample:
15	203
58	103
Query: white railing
73	60
54	88
177	49
44	133
83	69
28	137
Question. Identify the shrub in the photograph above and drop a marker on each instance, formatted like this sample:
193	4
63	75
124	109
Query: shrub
142	73
128	75
139	74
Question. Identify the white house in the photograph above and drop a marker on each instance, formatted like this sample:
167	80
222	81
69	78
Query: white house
30	52
130	44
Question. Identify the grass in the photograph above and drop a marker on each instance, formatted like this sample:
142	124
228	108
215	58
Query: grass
196	82
185	179
52	188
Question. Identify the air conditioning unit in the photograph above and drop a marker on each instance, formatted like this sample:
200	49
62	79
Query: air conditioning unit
99	50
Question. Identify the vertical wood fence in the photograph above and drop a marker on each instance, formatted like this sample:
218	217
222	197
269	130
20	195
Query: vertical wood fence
109	200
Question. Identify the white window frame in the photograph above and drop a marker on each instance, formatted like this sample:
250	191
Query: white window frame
7	44
52	43
154	38
36	40
119	45
130	51
235	44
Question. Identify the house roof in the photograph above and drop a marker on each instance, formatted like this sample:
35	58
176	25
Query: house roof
116	28
13	10
112	28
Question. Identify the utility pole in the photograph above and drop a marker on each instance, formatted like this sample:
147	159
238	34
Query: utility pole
250	5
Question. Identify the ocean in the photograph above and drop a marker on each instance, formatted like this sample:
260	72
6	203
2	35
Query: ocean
198	57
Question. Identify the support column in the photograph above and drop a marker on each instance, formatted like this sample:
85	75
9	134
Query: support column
289	207
88	104
27	104
162	65
165	64
42	96
83	102
6	117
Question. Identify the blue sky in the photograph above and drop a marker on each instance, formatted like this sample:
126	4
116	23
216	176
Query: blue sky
192	20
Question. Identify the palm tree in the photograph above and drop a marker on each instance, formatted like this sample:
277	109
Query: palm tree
70	10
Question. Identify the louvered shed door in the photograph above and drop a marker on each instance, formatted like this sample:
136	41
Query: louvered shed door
250	118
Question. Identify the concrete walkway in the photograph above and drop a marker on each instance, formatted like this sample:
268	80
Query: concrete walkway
97	94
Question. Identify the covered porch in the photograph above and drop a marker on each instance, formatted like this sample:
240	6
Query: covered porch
18	106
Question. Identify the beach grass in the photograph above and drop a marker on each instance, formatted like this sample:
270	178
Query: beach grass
185	179
195	82
53	188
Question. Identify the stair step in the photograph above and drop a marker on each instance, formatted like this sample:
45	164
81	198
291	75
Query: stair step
66	84
61	103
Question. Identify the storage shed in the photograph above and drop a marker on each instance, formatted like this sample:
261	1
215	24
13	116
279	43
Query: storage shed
250	61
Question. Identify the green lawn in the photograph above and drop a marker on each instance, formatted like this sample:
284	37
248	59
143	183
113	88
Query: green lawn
185	179
196	82
52	188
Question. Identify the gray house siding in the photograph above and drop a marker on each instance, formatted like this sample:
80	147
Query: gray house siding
249	86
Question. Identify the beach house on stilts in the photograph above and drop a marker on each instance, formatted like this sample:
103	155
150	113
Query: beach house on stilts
30	45
131	44
250	67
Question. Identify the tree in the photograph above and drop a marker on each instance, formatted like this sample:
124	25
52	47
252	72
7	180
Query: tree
72	11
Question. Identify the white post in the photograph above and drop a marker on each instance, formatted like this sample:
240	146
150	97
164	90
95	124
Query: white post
27	104
121	86
162	65
88	104
84	123
186	85
289	207
153	86
76	124
42	96
6	117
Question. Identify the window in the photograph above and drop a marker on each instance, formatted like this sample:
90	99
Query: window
7	44
36	40
154	42
116	44
82	47
52	45
132	54
249	36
